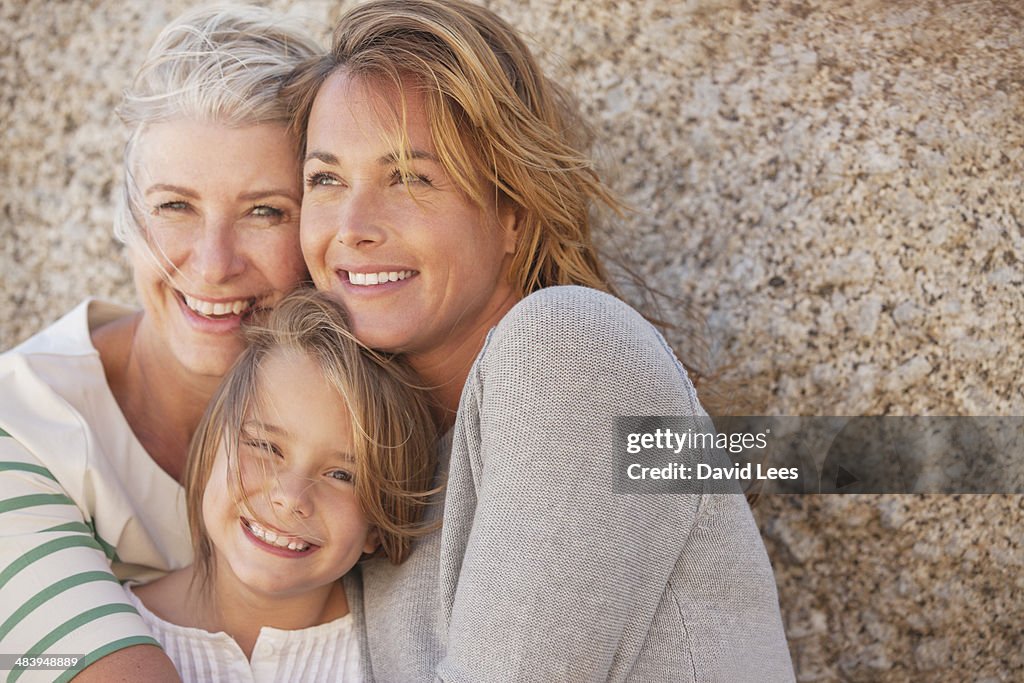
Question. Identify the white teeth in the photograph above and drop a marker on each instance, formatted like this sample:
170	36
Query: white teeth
268	536
370	279
208	308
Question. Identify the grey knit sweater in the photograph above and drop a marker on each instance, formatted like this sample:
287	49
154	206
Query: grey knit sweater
541	572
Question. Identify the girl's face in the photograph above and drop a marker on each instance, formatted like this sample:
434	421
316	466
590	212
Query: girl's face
221	220
296	524
420	268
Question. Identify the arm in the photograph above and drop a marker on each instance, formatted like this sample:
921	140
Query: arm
58	595
558	577
136	663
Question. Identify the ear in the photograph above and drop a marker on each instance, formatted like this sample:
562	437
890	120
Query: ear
510	220
372	541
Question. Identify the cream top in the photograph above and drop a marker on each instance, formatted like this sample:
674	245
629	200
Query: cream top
328	652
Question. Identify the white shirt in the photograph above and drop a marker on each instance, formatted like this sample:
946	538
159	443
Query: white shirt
81	502
328	652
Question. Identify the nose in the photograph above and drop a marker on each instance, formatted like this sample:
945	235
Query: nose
292	495
360	219
216	255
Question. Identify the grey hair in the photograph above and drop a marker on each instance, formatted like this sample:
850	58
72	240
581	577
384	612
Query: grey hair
223	64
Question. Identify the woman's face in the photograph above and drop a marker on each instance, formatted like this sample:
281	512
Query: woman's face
420	268
221	221
295	525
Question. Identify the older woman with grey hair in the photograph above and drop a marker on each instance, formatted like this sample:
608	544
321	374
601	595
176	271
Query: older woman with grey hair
98	409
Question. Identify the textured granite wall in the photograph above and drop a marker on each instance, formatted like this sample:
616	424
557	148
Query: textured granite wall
836	186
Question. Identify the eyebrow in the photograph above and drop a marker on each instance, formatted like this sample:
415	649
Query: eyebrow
263	194
164	187
387	159
245	196
263	426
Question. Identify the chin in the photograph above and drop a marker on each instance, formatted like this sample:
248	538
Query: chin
278	587
210	362
383	335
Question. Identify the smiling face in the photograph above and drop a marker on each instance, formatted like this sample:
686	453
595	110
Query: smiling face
418	266
295	524
221	213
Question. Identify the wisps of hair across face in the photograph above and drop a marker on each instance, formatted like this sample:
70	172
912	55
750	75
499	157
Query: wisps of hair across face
392	427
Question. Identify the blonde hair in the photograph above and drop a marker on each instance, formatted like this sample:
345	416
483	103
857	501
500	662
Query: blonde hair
392	427
223	64
503	131
507	135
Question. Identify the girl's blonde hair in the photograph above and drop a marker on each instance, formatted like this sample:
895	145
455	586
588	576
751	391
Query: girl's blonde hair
392	427
222	64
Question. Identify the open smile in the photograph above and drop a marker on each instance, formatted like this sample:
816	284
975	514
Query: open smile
376	278
218	310
277	542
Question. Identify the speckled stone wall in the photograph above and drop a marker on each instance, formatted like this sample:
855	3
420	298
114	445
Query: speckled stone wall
835	186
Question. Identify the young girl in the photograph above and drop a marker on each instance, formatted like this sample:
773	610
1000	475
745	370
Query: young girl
313	454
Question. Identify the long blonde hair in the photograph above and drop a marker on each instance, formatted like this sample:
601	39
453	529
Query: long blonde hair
509	137
392	427
504	131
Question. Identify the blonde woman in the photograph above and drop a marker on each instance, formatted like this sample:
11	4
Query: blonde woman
447	206
97	410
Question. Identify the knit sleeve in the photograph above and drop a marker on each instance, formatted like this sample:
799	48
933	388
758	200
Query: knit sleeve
557	570
58	597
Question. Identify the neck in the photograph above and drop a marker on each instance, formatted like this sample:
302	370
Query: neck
161	401
444	369
242	612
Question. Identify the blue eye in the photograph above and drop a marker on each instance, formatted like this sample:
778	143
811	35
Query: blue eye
320	178
171	206
264	211
260	445
410	178
341	475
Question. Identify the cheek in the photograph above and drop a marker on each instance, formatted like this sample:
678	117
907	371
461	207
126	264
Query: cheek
279	258
165	244
355	526
314	238
213	506
254	478
219	497
145	264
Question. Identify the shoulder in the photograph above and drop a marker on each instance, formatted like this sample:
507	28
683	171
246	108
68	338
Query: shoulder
71	334
562	340
51	370
582	318
54	389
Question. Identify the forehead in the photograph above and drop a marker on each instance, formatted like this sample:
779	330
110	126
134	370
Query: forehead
198	149
373	108
294	396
